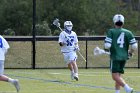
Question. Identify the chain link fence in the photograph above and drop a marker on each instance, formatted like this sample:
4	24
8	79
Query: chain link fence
48	54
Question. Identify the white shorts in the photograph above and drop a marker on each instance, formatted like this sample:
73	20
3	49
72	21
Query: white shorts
70	57
1	67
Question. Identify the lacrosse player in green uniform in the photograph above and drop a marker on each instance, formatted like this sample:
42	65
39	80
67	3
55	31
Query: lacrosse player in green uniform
117	42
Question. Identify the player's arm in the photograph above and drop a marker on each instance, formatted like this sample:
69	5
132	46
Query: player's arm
76	46
133	48
62	43
61	40
107	41
133	45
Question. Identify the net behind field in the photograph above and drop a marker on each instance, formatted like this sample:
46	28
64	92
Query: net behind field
48	55
19	55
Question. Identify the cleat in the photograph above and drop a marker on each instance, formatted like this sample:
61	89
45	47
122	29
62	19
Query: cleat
130	91
16	84
76	78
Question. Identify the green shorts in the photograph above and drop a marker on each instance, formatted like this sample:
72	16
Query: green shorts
117	66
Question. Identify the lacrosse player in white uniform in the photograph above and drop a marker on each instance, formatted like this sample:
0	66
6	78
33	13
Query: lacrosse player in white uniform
4	46
69	45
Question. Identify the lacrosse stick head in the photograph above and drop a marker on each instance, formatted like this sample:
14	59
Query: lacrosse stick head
98	51
56	22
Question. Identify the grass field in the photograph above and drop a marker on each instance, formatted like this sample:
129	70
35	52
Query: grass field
58	81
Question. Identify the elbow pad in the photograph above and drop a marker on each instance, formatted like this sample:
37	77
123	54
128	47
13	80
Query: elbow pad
134	46
107	45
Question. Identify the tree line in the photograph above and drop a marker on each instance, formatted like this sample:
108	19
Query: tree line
89	17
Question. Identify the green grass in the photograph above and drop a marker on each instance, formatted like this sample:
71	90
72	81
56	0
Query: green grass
58	81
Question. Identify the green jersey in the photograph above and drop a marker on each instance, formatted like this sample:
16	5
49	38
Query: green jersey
120	39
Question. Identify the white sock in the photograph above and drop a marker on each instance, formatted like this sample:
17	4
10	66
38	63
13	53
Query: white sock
117	91
10	80
127	88
72	72
76	70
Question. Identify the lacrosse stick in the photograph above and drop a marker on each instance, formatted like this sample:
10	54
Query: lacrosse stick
98	51
57	24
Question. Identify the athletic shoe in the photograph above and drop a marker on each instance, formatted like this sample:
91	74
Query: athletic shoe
16	84
76	78
130	91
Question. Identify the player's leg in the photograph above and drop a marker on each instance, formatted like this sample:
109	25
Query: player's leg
127	88
7	79
120	82
117	87
68	62
75	67
117	68
71	69
115	75
73	57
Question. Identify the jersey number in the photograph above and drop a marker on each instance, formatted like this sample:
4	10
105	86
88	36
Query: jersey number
120	40
69	42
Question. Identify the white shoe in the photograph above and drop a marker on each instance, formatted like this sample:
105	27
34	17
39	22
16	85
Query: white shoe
16	84
76	77
130	91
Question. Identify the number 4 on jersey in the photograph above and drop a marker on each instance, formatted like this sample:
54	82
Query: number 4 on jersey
120	40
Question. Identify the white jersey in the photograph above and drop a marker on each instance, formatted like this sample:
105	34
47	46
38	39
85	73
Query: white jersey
69	39
4	46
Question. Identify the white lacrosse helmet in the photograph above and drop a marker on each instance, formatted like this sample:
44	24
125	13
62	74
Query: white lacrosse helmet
117	18
68	25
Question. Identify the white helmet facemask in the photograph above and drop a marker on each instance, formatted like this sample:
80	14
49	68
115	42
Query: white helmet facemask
69	28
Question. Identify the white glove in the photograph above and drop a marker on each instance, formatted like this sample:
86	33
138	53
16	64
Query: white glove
130	54
76	48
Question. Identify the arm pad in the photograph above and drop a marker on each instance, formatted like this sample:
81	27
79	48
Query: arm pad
107	45
134	46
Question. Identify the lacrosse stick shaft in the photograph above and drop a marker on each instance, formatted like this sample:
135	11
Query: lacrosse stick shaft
60	28
82	56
